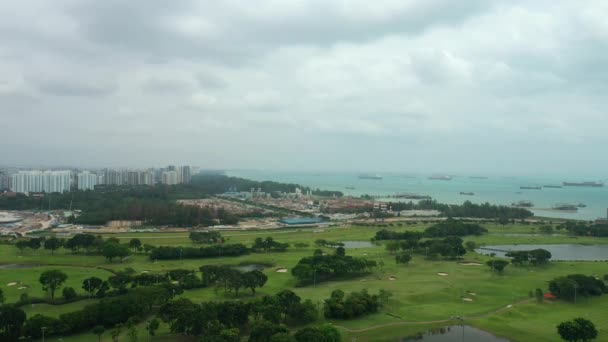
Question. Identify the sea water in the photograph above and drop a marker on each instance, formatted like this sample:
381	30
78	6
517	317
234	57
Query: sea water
494	189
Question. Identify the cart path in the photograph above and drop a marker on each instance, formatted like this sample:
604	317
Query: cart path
497	311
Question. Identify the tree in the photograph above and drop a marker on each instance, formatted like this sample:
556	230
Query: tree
53	244
2	299
134	244
578	329
69	293
132	329
254	279
21	244
98	330
470	245
51	280
262	331
92	284
115	333
11	322
539	295
498	265
282	337
403	258
119	281
152	326
300	245
113	250
392	246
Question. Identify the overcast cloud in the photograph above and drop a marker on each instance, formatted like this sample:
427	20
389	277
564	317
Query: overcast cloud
386	85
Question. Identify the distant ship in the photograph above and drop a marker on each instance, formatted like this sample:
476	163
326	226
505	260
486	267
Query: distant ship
467	193
478	177
565	207
587	184
447	178
523	204
350	187
530	187
582	205
552	186
370	177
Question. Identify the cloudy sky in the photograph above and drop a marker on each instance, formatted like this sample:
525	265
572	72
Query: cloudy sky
429	85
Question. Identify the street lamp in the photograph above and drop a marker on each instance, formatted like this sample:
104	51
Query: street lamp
43	329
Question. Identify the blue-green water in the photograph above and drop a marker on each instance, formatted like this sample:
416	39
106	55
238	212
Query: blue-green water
494	189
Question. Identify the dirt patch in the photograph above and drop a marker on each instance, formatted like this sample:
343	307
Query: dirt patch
471	264
466	299
281	270
443	274
392	278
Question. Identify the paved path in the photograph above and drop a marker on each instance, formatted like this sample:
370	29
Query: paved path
497	311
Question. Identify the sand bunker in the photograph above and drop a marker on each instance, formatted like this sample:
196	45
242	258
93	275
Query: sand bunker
392	278
467	299
282	270
12	283
145	271
471	264
22	288
472	293
442	274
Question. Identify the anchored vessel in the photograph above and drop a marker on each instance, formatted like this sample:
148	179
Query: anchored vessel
523	204
530	187
438	177
370	177
588	184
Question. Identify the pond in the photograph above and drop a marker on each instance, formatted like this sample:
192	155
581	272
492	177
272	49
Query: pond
357	244
454	333
17	266
250	267
565	252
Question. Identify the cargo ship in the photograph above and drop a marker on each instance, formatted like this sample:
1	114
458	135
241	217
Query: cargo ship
566	207
587	184
467	193
378	177
523	204
447	178
552	186
530	187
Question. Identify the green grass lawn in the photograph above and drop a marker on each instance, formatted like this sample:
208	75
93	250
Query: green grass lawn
419	293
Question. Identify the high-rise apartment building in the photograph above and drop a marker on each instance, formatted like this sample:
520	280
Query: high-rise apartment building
170	178
41	181
86	180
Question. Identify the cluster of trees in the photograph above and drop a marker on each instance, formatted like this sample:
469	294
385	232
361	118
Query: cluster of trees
573	285
232	279
580	228
135	305
206	237
497	265
450	247
467	209
451	227
173	253
320	267
268	244
578	329
350	306
533	257
330	244
227	321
